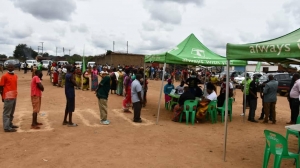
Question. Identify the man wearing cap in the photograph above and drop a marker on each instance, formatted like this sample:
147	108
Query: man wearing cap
102	95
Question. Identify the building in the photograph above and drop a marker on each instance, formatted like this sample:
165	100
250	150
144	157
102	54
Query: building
114	58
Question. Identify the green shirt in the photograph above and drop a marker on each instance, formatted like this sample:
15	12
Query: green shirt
247	86
103	88
40	67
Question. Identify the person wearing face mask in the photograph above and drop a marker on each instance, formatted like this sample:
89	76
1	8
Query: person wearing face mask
221	97
245	89
253	99
8	90
193	83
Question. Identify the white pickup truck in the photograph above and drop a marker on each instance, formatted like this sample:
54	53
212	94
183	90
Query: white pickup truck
29	63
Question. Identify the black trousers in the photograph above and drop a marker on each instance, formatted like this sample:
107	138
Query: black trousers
294	104
137	107
253	105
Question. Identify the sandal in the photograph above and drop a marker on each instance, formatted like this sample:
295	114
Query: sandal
35	127
72	125
65	123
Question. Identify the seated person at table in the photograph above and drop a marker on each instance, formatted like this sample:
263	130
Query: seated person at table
203	104
199	92
187	95
180	89
167	90
221	97
193	82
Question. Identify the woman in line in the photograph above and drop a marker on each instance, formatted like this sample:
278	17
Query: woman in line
86	80
78	77
113	80
127	91
120	83
59	70
94	77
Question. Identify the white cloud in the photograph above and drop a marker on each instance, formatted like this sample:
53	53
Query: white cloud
47	10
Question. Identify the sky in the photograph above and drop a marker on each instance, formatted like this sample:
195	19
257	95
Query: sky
149	26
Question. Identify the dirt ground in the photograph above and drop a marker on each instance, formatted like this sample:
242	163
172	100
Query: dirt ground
126	144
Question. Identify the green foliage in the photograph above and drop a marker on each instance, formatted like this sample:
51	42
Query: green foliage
3	56
22	52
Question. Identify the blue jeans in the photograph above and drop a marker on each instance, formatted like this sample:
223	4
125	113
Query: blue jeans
8	113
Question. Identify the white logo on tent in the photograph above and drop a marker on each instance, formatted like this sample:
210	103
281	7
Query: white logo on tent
198	52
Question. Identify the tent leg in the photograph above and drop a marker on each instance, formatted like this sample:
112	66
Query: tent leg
245	97
226	109
161	88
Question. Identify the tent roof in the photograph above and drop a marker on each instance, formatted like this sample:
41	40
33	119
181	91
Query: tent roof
191	52
284	49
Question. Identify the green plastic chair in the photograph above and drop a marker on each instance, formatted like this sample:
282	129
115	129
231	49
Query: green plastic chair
174	101
277	145
222	109
212	111
296	133
192	110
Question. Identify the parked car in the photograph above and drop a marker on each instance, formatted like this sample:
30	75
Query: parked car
62	62
15	62
29	63
284	81
92	64
238	80
78	63
46	63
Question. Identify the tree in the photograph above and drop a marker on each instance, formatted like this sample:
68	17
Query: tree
22	52
45	54
3	56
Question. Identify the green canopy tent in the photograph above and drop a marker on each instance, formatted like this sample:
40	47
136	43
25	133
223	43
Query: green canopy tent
284	49
190	52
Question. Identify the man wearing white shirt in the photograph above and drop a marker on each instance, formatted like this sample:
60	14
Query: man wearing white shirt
136	98
294	99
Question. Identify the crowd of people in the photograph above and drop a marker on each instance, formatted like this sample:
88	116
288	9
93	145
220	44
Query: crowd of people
132	83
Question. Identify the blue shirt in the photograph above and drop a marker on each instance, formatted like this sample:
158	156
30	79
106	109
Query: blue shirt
69	86
168	88
270	91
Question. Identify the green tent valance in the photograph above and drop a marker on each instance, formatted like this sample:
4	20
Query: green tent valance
284	49
192	52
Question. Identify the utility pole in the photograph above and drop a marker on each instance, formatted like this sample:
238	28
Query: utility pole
113	45
42	46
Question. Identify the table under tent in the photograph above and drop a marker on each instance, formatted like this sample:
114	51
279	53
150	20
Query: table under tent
283	50
189	52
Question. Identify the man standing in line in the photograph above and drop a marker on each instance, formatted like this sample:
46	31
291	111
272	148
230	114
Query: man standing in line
252	99
25	67
40	68
8	90
136	98
36	98
270	98
293	98
70	96
102	95
245	89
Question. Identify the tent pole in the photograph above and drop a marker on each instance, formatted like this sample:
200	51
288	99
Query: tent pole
226	109
244	94
161	88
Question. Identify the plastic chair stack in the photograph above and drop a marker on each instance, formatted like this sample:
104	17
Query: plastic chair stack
222	109
212	111
277	145
296	133
190	112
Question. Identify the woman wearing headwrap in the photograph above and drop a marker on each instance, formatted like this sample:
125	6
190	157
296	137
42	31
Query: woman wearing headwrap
86	80
167	90
94	77
120	83
127	91
113	80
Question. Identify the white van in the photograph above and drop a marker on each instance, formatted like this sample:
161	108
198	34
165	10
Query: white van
92	64
29	63
46	63
62	62
78	63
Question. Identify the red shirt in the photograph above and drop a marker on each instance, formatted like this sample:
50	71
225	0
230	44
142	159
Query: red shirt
35	91
9	83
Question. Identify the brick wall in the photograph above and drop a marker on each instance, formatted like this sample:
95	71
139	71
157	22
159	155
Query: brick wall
120	58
